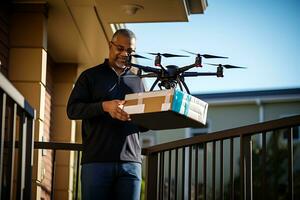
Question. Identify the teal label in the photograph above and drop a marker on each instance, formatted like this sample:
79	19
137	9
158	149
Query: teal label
187	104
177	101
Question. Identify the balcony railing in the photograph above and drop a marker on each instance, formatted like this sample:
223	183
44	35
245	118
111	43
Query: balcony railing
17	122
230	164
250	162
58	147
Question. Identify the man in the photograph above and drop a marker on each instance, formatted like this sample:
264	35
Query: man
111	159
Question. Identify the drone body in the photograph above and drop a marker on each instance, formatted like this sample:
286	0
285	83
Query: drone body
172	75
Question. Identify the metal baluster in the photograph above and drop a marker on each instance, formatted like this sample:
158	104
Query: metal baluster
290	165
264	163
231	169
77	175
176	172
53	173
214	170
21	157
162	170
204	169
190	172
242	166
183	173
29	157
196	172
160	176
169	174
221	171
3	114
11	154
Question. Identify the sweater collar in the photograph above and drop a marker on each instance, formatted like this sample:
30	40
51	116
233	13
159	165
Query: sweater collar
106	62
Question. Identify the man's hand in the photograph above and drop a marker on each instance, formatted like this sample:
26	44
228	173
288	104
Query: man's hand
114	108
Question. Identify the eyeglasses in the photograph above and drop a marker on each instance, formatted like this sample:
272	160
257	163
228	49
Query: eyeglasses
120	48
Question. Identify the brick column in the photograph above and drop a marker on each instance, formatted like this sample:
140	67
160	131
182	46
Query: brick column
27	69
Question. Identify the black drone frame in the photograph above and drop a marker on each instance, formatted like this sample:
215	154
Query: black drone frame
171	75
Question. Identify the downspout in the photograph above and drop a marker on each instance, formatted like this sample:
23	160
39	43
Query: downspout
261	118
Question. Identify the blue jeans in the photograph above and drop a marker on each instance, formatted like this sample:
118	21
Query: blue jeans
116	180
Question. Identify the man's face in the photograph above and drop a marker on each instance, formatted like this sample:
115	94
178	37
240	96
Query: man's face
119	49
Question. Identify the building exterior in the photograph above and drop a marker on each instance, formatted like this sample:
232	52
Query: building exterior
234	109
44	45
227	111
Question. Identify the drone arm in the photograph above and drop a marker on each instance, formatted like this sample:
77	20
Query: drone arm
179	83
155	82
191	74
186	88
145	68
185	68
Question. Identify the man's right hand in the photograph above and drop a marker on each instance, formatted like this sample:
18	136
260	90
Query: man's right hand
113	107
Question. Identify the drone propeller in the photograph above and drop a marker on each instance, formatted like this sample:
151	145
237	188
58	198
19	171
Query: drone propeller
205	55
226	66
168	55
139	56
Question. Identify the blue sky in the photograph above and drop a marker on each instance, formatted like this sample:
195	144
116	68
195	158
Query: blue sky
262	35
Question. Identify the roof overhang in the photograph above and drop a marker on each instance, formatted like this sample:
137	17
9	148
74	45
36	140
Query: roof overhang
251	97
79	30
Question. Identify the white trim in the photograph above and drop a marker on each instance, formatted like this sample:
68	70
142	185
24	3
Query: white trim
253	100
11	91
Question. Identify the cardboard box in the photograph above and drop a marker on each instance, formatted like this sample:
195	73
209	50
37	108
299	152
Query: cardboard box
166	109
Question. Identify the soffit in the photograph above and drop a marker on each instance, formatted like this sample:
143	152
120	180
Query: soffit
151	11
79	30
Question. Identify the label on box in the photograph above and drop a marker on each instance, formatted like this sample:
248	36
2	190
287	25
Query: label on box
165	106
135	108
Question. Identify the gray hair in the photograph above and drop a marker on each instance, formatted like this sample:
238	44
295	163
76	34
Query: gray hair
124	32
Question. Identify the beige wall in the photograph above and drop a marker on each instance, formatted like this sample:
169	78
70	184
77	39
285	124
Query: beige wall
230	116
27	71
278	110
46	85
64	75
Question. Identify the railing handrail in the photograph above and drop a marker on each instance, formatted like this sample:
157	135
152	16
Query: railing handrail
225	134
54	146
58	146
13	93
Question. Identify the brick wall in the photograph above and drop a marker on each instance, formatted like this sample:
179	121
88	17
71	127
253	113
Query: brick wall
4	44
47	154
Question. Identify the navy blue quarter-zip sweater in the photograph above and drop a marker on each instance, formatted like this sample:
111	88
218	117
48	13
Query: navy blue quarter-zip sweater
104	139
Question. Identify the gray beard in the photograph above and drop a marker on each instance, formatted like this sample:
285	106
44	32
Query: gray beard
120	65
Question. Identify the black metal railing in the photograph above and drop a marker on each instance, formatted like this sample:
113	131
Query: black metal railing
250	162
57	147
16	124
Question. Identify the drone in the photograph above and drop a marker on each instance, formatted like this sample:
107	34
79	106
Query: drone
172	75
